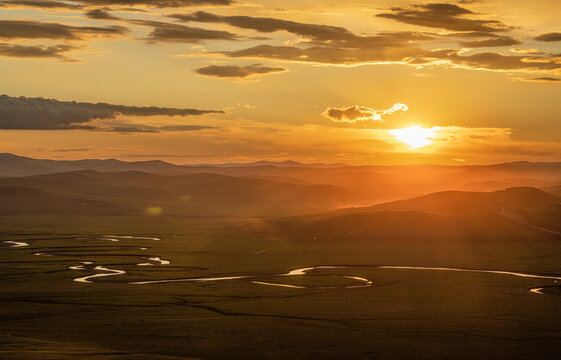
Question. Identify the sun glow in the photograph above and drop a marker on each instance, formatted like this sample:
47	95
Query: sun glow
415	136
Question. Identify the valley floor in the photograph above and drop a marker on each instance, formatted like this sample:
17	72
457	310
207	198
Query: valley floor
215	288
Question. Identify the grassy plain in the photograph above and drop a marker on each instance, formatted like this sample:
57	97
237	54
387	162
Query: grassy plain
405	314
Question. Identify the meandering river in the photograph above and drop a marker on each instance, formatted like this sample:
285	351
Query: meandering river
341	273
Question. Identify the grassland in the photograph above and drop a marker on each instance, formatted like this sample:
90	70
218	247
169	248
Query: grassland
405	314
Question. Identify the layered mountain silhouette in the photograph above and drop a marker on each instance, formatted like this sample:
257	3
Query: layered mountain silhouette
289	188
132	192
371	184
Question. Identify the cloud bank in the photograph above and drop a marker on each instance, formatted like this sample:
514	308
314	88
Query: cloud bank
21	113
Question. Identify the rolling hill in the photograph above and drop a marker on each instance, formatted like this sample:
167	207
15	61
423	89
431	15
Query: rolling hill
196	194
514	214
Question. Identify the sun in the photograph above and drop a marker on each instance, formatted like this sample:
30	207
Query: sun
415	136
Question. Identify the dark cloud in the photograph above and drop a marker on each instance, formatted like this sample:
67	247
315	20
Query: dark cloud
334	35
472	34
22	29
323	43
443	16
232	71
356	113
269	25
36	51
179	33
540	79
23	113
329	54
350	114
492	61
101	14
41	4
135	128
493	42
156	3
552	36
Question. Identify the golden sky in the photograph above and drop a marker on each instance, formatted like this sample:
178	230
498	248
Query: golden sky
206	81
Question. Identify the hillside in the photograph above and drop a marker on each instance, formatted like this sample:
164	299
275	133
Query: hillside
197	194
24	200
515	214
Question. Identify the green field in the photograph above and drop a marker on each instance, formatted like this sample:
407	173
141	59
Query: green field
404	314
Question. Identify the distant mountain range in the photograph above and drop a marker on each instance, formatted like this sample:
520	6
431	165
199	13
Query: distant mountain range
288	163
14	165
134	193
265	188
369	184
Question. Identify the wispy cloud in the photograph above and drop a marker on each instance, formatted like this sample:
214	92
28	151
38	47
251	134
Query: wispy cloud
37	51
233	71
157	3
166	32
492	42
490	60
443	16
28	29
545	79
39	4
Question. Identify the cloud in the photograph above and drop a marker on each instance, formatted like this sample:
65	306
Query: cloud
101	14
492	61
540	79
443	16
269	25
36	51
356	113
323	44
527	51
471	34
334	35
139	128
21	113
319	44
232	71
179	33
157	3
493	42
328	54
23	29
552	36
41	4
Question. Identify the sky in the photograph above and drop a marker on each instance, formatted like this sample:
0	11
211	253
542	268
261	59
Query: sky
215	81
